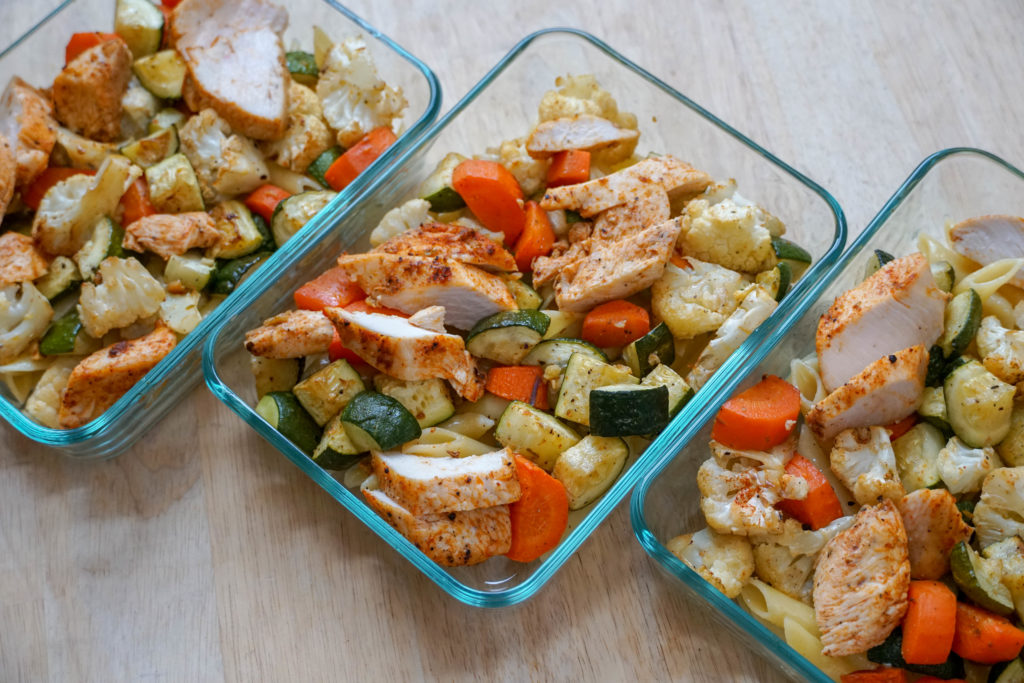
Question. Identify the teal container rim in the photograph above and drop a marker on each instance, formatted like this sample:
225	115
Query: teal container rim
669	440
311	232
654	547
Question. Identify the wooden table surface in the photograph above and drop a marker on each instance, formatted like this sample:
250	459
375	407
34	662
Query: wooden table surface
203	555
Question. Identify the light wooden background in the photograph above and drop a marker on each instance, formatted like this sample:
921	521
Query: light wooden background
202	554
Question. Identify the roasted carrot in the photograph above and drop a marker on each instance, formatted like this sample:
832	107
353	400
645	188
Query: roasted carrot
80	42
677	260
135	202
933	679
170	4
264	200
929	624
569	167
615	323
984	637
519	383
759	418
44	181
821	506
493	195
536	239
362	307
358	157
898	429
540	515
880	675
332	288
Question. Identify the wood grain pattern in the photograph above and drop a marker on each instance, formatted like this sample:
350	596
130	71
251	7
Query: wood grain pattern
204	555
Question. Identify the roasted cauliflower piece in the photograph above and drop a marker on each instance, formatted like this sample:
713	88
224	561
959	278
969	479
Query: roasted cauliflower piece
999	513
864	461
734	236
126	292
724	561
24	316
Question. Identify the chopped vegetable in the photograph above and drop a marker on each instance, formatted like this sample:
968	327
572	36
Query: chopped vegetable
80	42
34	193
985	637
569	167
264	200
881	675
615	323
357	158
493	195
540	516
519	383
929	625
333	288
761	417
820	506
135	202
537	238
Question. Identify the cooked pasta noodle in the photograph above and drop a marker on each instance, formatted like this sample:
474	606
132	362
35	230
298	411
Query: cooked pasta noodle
804	375
986	280
438	442
936	251
289	180
997	305
20	383
473	425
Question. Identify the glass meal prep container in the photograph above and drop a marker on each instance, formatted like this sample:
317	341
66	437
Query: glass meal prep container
950	185
37	57
501	106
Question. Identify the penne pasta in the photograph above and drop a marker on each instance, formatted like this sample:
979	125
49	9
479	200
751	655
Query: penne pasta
472	425
996	304
295	183
936	251
438	442
804	375
986	280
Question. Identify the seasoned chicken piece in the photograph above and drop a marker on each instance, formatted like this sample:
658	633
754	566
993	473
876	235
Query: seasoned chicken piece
26	120
451	241
292	334
648	206
987	239
887	390
397	348
169	234
594	196
934	525
454	539
897	307
430	318
583	131
87	93
410	283
19	259
434	486
236	63
8	175
861	582
105	376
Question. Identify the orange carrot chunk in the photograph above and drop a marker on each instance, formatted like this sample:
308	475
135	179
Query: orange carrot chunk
135	202
519	383
80	42
332	288
541	514
537	239
493	195
930	623
901	427
984	637
615	323
881	675
264	200
759	418
933	679
52	175
569	167
677	260
358	157
821	506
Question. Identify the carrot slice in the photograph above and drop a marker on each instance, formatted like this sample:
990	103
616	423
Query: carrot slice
362	307
615	323
537	239
901	427
930	623
135	202
358	157
821	506
80	42
880	675
759	418
170	4
541	514
264	200
984	637
52	175
933	679
569	167
493	195
677	260
519	383
332	288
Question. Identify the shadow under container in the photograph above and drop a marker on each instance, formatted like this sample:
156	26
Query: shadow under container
503	106
37	58
950	185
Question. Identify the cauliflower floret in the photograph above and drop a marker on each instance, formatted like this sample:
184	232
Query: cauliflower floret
43	404
696	300
355	99
724	561
728	234
180	312
775	459
1002	350
963	468
1008	555
755	308
412	214
864	461
307	135
786	561
583	95
138	106
126	292
529	172
740	499
78	152
1000	512
24	315
226	164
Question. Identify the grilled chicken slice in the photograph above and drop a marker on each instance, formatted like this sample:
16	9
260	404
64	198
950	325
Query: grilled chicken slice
594	196
19	259
8	175
236	62
934	525
106	375
986	239
411	283
169	234
648	206
897	307
26	120
886	391
451	241
430	318
87	93
452	540
399	349
861	582
583	131
435	486
292	334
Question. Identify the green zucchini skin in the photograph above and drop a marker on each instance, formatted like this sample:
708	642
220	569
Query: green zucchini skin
507	337
285	414
628	410
657	343
979	405
877	259
376	422
558	351
230	274
60	338
302	67
790	251
891	652
319	167
963	318
984	591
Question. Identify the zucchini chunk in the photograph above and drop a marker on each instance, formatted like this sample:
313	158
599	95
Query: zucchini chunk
890	652
558	351
777	280
790	251
583	374
105	241
933	410
963	318
877	259
979	405
230	274
162	73
657	347
979	580
319	167
916	454
190	269
563	323
1013	673
628	410
426	399
508	336
61	277
274	374
944	275
1011	448
375	422
302	66
534	434
294	212
283	412
325	393
679	392
173	186
590	467
525	295
239	234
153	148
60	338
336	450
166	118
141	25
437	188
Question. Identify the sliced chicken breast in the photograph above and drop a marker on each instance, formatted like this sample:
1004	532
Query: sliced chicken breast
20	261
451	241
897	307
411	283
399	349
861	581
435	486
886	391
986	239
934	525
583	131
87	93
26	120
292	334
170	234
